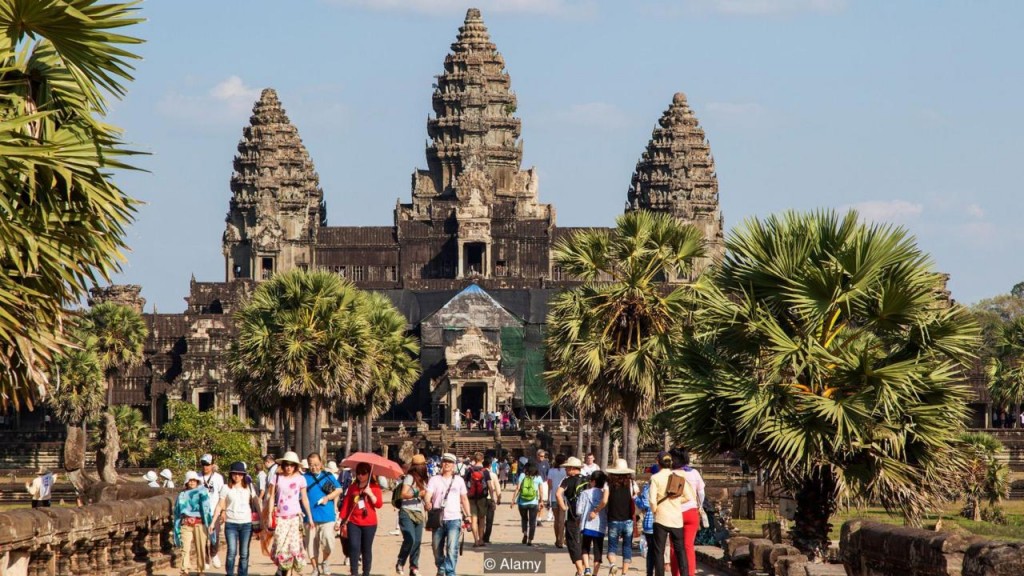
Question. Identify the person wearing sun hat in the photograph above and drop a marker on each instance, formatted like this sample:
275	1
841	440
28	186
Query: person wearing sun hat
151	477
287	501
447	491
235	510
168	478
193	517
567	496
621	491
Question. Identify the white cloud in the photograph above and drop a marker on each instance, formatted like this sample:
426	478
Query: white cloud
975	211
765	7
228	102
486	6
887	210
598	115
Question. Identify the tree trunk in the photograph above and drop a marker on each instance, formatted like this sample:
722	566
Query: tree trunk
631	433
630	458
348	433
318	427
297	429
286	429
815	505
666	442
579	437
606	439
106	456
308	424
74	456
359	433
975	509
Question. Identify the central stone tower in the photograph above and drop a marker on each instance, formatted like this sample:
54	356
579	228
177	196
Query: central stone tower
474	211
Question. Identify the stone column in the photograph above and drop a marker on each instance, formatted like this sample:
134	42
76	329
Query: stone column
458	264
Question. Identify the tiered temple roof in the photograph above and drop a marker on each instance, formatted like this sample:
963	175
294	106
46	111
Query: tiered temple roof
474	112
676	174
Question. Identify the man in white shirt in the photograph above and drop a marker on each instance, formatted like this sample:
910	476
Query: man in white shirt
213	482
589	466
40	488
263	478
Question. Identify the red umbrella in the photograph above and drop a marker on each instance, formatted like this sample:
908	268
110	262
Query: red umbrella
379	465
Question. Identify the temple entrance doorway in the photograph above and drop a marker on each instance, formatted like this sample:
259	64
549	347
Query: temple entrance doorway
472	398
474	263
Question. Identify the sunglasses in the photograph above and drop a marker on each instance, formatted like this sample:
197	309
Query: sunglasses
362	473
293	465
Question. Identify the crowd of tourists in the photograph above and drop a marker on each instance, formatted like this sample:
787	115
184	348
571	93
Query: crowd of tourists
299	510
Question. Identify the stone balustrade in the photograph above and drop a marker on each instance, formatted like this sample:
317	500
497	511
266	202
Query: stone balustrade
128	532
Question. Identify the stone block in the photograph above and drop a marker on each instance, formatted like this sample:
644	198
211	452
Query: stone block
791	565
778	551
760	551
994	559
735	545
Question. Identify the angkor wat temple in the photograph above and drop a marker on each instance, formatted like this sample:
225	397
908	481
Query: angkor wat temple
468	260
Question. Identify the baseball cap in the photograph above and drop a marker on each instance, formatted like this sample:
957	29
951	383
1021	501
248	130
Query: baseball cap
206	459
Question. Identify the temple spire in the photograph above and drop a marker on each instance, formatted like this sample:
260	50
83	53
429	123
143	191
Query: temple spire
276	204
474	111
676	175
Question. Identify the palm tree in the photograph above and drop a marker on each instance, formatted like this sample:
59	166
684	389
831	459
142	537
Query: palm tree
1006	367
825	351
119	334
393	363
62	220
132	432
612	335
986	476
302	342
77	395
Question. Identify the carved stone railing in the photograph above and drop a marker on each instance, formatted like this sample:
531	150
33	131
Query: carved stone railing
119	536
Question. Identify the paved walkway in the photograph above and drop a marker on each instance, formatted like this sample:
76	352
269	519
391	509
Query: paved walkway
506	537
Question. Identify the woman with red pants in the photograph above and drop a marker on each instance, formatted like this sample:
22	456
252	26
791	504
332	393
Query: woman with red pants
691	516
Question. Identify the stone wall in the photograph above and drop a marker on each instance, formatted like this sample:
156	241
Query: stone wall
874	549
116	536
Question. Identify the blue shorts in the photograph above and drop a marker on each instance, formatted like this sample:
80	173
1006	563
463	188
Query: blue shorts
620	539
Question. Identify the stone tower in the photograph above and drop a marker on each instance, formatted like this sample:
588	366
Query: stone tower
276	204
474	212
676	174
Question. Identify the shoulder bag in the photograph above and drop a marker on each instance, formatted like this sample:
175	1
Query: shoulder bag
435	514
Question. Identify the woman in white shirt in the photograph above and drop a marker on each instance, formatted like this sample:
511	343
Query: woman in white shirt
235	508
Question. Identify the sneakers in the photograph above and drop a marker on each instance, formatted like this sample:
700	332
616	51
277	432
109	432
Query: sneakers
395	532
524	538
614	571
587	572
216	561
324	569
398	570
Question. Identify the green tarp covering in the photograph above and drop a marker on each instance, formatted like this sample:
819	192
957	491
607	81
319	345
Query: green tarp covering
524	361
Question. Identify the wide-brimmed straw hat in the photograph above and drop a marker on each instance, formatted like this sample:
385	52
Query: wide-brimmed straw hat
621	467
418	459
289	456
572	462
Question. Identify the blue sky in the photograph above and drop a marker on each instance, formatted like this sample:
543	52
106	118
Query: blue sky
909	111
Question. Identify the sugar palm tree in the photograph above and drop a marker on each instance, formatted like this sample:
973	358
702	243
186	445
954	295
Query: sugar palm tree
612	335
78	394
62	219
1006	367
133	434
825	352
393	363
302	343
986	476
119	335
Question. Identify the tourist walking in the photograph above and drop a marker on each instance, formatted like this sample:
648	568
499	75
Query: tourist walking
593	522
621	492
555	476
643	505
503	471
447	492
269	470
193	516
493	498
40	488
669	490
479	486
411	515
691	510
543	467
168	478
286	493
568	499
323	490
529	497
359	518
236	507
213	482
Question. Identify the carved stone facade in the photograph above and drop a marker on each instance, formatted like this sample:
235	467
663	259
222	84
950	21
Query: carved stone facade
467	260
676	174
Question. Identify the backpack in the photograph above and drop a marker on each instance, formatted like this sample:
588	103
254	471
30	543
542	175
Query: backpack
529	490
572	487
477	481
396	493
